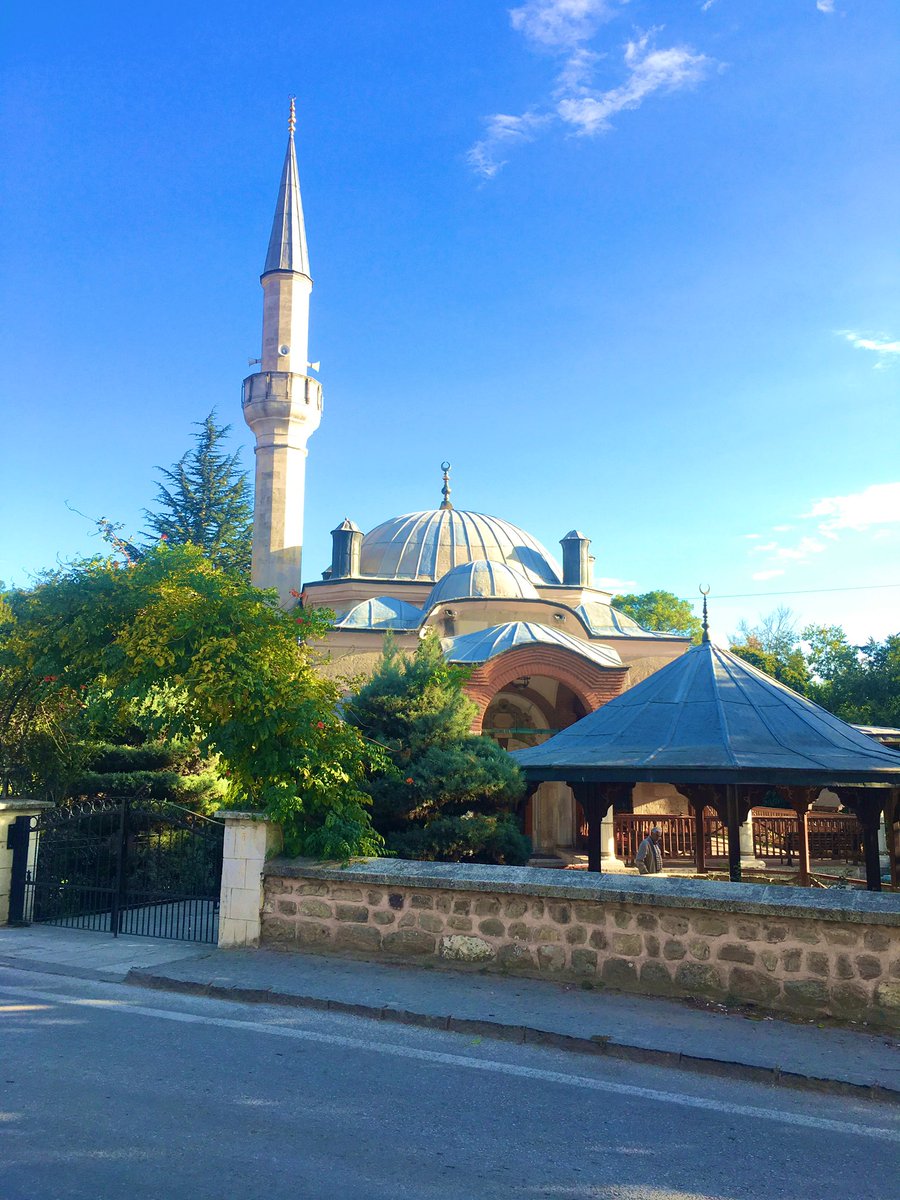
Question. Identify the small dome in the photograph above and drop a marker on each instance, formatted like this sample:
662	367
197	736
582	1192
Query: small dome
608	621
481	578
426	545
381	612
486	644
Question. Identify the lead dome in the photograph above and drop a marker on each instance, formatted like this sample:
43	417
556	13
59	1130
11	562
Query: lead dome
426	545
482	578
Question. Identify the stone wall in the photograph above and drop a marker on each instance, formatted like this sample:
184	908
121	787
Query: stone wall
787	950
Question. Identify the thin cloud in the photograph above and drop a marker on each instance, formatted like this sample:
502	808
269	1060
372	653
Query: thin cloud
562	23
563	28
874	510
802	552
616	586
825	6
876	505
879	344
502	132
649	70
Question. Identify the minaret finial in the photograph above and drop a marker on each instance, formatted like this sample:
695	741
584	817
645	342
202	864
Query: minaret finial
704	592
292	119
445	490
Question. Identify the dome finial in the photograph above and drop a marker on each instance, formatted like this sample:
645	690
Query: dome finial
292	119
445	490
704	592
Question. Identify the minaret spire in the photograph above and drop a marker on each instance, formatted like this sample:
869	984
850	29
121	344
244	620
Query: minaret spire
282	403
287	242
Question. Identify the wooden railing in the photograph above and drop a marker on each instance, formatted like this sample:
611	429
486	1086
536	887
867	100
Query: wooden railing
836	837
677	835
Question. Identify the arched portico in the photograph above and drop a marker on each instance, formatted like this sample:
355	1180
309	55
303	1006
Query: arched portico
526	695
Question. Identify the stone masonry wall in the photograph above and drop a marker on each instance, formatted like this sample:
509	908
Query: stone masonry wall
683	938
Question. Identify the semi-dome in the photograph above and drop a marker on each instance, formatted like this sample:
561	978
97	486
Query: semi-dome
481	578
485	644
426	545
607	621
381	612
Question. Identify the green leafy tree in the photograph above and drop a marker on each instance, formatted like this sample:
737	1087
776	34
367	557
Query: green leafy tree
860	684
442	793
773	645
661	612
204	500
233	669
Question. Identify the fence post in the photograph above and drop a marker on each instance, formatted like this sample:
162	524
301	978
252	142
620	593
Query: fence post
250	838
11	810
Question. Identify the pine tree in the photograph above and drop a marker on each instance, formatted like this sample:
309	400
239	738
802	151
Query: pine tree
204	499
445	794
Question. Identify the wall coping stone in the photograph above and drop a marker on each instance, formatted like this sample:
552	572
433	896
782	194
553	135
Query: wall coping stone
232	814
22	804
853	907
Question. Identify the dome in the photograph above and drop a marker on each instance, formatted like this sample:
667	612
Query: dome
426	545
607	621
481	578
486	644
381	612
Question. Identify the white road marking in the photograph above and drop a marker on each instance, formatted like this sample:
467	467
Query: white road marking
463	1061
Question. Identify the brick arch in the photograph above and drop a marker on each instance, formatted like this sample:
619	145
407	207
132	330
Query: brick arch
591	683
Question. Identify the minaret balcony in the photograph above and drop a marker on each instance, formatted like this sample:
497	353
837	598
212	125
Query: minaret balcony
273	392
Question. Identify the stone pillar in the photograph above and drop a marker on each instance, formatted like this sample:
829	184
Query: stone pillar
250	838
10	809
748	851
883	854
608	846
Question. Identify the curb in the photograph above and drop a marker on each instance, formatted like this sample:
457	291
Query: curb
597	1044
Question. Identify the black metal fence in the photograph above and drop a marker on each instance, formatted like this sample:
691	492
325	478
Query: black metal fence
138	866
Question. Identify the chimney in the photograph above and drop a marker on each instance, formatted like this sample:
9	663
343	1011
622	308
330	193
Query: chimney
346	543
577	561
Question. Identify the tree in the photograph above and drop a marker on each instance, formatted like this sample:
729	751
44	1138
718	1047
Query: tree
204	500
209	658
773	646
661	612
442	793
860	684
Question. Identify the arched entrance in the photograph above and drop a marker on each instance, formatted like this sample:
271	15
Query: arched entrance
524	697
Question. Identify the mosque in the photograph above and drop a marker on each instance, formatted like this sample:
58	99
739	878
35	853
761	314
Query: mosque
545	645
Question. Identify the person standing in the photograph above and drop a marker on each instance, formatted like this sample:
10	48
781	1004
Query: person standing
649	855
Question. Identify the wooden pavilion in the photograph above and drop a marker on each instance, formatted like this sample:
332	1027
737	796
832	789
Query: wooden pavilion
725	735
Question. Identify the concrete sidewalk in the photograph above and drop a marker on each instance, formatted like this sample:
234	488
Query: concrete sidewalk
640	1028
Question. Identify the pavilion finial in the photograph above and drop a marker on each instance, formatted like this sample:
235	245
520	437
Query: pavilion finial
704	592
445	490
292	119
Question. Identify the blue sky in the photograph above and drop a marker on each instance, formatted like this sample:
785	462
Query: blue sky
632	267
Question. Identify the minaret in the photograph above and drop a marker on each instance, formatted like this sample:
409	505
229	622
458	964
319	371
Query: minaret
282	403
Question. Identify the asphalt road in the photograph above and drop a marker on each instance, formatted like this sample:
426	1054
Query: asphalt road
109	1091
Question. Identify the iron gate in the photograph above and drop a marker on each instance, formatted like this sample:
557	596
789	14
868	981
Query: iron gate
138	866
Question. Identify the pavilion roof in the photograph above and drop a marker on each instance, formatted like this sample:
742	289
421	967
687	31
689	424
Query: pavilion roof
711	717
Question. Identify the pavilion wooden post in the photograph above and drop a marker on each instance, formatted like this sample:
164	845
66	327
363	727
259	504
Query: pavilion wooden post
733	821
597	799
699	795
866	803
800	799
891	817
588	796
